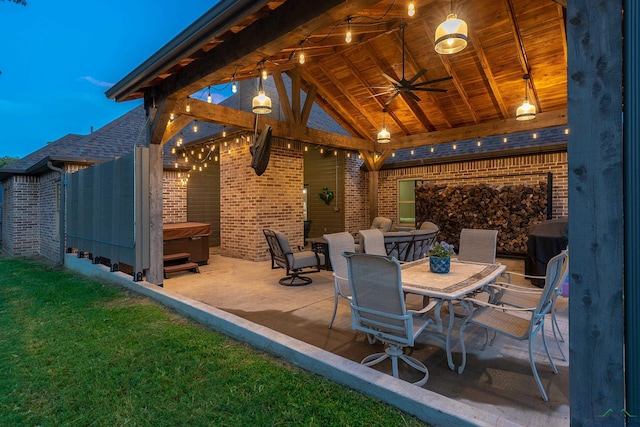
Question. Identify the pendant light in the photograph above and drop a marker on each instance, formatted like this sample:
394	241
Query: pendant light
384	137
209	99
261	103
526	111
451	35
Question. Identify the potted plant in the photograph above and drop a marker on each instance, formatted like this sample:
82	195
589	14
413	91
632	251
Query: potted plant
440	257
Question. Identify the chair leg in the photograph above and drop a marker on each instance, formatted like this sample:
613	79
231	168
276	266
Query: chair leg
335	308
294	279
394	353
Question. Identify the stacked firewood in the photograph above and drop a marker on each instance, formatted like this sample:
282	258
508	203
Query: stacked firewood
509	209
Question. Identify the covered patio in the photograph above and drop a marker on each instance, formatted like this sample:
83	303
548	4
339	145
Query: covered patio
545	40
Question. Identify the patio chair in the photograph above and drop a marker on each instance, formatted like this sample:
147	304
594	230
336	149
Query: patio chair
372	242
478	245
428	225
422	241
293	262
398	244
510	321
382	223
521	296
378	309
339	243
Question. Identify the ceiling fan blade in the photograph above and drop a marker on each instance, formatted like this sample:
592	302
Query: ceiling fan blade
380	94
392	98
391	79
414	96
442	79
429	89
417	76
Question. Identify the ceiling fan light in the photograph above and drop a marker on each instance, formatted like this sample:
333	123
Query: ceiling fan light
451	35
526	111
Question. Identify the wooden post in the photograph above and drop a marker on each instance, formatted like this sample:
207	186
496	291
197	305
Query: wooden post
596	227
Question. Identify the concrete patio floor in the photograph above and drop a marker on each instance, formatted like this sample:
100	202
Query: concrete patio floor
497	380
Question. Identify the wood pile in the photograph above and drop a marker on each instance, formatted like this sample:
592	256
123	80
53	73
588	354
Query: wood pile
509	209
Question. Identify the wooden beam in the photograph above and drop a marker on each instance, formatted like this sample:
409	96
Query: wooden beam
160	118
308	104
339	111
283	96
488	74
294	74
284	27
482	130
175	125
202	110
456	80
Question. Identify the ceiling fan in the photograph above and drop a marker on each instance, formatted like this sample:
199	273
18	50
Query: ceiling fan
408	86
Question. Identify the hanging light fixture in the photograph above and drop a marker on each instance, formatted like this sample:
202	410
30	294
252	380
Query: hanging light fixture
411	8
347	36
261	103
451	35
384	137
301	58
526	111
234	87
209	95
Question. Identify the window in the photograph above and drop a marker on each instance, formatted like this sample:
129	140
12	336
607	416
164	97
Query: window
407	202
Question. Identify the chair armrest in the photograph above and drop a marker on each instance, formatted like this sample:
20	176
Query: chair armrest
428	307
526	276
500	307
501	286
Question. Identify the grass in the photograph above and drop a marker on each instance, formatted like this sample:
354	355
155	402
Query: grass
74	351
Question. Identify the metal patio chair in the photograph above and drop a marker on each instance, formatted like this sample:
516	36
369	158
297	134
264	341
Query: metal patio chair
339	243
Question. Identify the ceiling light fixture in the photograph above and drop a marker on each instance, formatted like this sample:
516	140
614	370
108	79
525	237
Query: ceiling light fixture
411	8
261	103
384	137
451	35
347	37
526	111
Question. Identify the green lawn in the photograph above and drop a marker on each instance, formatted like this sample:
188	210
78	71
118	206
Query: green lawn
75	351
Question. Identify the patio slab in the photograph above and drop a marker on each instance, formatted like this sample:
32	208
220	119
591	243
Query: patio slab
496	388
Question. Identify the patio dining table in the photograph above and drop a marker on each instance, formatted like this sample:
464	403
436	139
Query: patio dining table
463	279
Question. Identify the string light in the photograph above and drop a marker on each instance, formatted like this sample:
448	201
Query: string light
209	95
411	9
234	87
347	37
264	74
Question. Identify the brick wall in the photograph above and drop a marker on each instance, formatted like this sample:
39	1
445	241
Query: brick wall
501	171
174	197
49	215
356	190
20	233
249	203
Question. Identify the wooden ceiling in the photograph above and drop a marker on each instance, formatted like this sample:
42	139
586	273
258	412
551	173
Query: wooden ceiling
507	38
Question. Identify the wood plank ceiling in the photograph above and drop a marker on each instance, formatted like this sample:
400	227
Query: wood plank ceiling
507	38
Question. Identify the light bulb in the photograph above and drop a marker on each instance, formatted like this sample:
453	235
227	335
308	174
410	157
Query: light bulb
264	74
209	98
195	128
301	57
234	87
188	108
411	9
347	37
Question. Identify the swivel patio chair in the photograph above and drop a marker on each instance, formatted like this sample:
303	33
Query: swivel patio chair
339	243
478	245
510	322
372	242
378	309
293	262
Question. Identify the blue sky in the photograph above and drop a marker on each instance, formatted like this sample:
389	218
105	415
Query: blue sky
59	57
